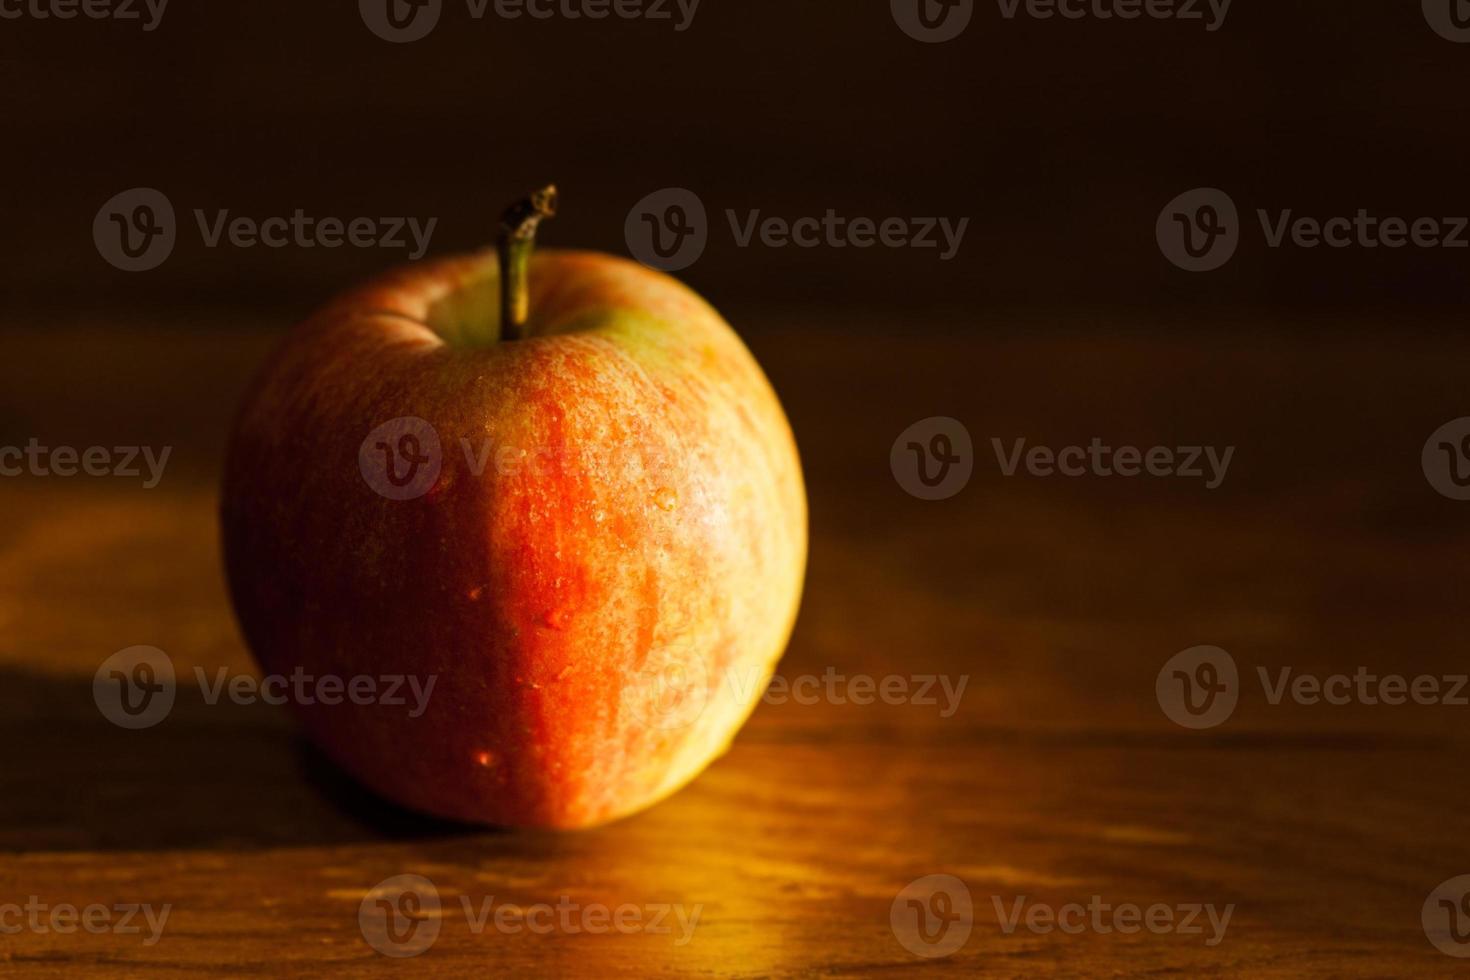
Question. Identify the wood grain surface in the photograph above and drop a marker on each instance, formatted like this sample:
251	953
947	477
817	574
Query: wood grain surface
1056	778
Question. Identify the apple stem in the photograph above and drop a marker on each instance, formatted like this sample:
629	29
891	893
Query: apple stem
516	243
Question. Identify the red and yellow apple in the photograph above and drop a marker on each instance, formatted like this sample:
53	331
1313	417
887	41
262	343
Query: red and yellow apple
600	573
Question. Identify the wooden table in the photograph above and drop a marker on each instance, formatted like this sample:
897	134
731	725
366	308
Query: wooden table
1058	777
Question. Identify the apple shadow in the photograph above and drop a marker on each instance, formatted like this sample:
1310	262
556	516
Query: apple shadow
221	775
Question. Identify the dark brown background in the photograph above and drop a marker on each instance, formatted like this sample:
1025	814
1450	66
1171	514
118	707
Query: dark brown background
1062	140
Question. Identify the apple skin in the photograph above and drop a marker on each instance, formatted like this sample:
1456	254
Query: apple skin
600	606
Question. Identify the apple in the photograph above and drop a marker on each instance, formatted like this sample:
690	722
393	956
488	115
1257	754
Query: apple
558	488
